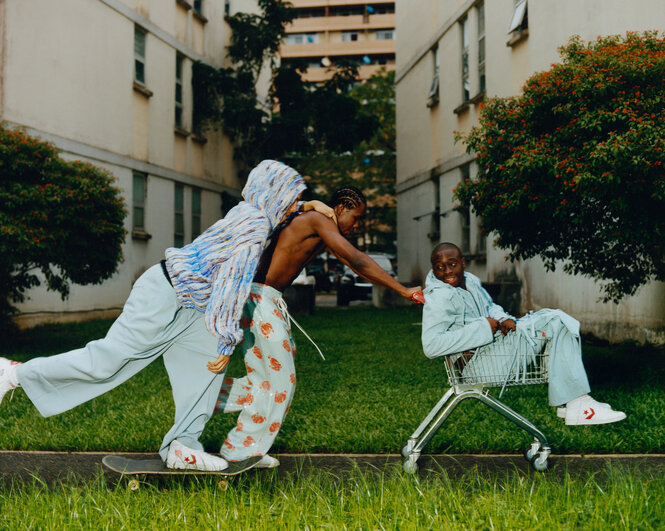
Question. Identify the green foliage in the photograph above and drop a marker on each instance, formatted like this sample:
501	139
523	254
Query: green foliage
227	97
61	218
369	164
572	169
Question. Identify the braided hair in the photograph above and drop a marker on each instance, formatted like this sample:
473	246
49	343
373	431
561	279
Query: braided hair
349	197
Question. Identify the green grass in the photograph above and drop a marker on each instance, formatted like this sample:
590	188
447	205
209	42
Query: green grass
371	393
609	499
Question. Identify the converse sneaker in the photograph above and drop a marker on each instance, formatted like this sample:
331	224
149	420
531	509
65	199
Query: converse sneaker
561	410
267	462
586	411
180	457
8	380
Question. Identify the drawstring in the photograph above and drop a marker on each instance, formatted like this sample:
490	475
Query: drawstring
285	311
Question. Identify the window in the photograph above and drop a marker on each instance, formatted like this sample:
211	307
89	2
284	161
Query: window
198	6
138	201
465	60
179	216
196	212
481	47
385	35
302	38
139	55
433	95
178	90
520	21
348	36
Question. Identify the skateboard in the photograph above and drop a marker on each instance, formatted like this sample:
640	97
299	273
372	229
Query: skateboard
132	467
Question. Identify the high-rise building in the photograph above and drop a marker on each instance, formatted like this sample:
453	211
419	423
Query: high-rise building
109	82
452	55
326	31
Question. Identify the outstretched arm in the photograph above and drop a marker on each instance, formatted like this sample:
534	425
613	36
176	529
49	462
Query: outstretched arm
362	264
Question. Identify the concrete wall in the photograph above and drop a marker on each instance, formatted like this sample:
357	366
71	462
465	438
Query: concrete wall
429	162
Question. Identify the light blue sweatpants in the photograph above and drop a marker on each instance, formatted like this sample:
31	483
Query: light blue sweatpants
567	376
152	324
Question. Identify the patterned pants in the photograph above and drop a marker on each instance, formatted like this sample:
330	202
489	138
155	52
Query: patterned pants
264	395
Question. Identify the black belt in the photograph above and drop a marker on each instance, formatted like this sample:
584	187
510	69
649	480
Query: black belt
166	271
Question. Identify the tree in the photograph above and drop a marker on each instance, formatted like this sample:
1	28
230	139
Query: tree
297	118
334	132
369	164
227	97
571	170
61	218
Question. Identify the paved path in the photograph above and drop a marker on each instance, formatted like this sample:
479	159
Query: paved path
53	467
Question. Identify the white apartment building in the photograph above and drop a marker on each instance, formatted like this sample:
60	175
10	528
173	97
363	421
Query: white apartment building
325	31
109	82
450	55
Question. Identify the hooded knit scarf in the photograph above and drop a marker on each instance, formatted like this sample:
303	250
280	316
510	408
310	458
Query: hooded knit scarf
214	273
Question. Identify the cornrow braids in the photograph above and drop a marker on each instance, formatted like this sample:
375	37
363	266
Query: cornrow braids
349	197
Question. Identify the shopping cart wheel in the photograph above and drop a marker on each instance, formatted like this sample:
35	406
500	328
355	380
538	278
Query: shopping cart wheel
539	462
410	466
532	450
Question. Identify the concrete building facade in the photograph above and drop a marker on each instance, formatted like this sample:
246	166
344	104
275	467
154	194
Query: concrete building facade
109	82
325	31
453	54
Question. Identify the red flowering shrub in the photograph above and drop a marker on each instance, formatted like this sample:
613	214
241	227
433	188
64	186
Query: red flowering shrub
61	218
571	170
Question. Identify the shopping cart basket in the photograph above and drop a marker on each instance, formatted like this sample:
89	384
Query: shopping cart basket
471	374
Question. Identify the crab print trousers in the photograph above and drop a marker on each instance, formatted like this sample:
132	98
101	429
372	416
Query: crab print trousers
262	396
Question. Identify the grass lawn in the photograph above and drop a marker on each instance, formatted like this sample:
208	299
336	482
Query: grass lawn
611	499
371	393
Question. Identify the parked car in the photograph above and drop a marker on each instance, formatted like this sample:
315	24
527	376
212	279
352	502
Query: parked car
352	287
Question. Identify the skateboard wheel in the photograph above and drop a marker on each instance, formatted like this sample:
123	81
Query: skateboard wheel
134	485
223	484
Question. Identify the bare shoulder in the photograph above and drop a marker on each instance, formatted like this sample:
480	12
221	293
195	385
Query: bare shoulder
315	220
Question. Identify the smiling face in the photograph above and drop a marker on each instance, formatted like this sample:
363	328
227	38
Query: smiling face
349	219
448	266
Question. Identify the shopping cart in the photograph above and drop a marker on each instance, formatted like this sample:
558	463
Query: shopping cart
472	373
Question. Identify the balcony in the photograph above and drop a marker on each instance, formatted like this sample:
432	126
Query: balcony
324	3
319	75
333	49
354	22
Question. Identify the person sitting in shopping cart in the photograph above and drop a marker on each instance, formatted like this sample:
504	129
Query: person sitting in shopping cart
461	319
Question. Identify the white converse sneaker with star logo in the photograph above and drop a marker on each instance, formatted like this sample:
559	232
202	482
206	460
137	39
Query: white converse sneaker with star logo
180	457
586	411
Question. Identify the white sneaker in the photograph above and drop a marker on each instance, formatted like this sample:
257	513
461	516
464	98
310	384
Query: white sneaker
267	462
8	379
561	410
180	457
586	411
